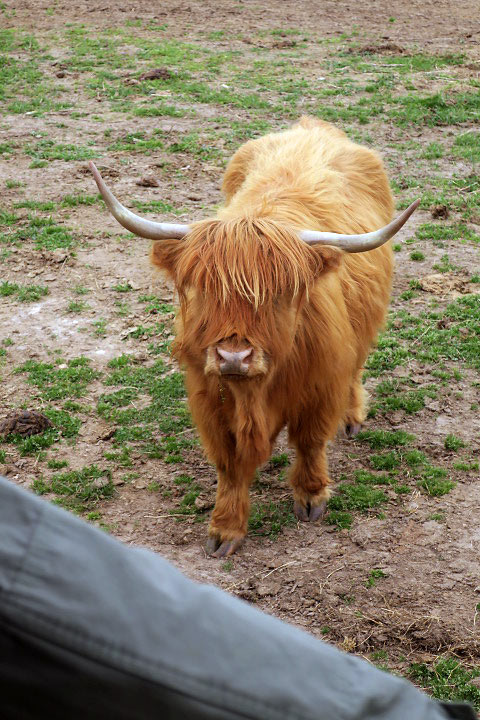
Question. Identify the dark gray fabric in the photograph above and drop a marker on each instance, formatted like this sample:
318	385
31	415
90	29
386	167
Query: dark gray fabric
90	628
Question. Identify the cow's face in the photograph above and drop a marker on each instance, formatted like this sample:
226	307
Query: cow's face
242	286
237	341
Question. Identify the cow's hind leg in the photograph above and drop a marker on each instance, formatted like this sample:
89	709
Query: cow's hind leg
356	413
309	477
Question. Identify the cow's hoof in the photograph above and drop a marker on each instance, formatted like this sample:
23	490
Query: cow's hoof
218	549
352	429
309	513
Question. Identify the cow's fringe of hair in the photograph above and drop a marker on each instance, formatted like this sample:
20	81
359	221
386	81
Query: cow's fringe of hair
254	259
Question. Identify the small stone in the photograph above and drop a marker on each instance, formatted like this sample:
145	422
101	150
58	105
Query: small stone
265	589
148	181
161	73
202	503
100	482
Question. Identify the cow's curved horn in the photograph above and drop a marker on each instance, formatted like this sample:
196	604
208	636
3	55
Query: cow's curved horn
360	243
134	223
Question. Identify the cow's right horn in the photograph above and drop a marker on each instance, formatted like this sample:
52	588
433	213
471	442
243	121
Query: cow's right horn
134	223
363	242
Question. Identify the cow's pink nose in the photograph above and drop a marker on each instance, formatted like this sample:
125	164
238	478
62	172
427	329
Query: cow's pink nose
234	363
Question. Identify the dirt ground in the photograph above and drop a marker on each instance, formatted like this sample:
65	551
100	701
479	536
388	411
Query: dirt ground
425	601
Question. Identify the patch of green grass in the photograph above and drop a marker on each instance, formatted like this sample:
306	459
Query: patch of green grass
417	255
373	576
159	109
142	332
136	142
377	439
414	458
187	503
81	290
393	398
23	86
268	519
77	306
446	108
24	293
44	232
57	464
49	150
77	490
452	334
100	327
156	305
341	520
445	265
388	354
435	482
368	478
65	425
440	234
356	497
433	151
193	144
154	206
121	457
56	383
385	461
122	287
279	460
166	417
467	146
447	679
36	205
438	517
466	466
6	148
453	443
80	199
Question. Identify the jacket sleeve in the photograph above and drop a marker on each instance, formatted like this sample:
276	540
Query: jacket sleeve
90	628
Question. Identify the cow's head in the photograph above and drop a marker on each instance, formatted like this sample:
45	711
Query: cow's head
242	282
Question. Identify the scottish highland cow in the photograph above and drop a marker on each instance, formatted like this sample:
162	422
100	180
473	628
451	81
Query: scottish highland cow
281	297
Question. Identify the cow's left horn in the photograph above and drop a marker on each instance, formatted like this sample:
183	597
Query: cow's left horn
360	243
134	223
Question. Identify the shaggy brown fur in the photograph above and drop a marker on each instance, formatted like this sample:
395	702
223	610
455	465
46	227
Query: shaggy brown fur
310	313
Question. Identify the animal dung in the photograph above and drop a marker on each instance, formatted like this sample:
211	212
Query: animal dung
24	423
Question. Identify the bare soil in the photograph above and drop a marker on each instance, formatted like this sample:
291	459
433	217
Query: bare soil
313	576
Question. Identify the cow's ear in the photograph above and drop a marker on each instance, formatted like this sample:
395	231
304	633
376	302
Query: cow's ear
327	258
165	254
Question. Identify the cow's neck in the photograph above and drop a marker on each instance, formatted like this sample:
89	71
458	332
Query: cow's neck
250	421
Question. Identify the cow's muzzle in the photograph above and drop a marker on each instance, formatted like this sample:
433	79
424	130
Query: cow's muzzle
234	363
235	360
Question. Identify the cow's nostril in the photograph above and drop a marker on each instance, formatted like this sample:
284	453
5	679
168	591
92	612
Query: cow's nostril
238	357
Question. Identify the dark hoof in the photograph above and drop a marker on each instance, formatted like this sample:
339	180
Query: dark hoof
218	549
310	513
352	430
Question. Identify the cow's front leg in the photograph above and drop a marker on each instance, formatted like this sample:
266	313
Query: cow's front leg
229	522
309	479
